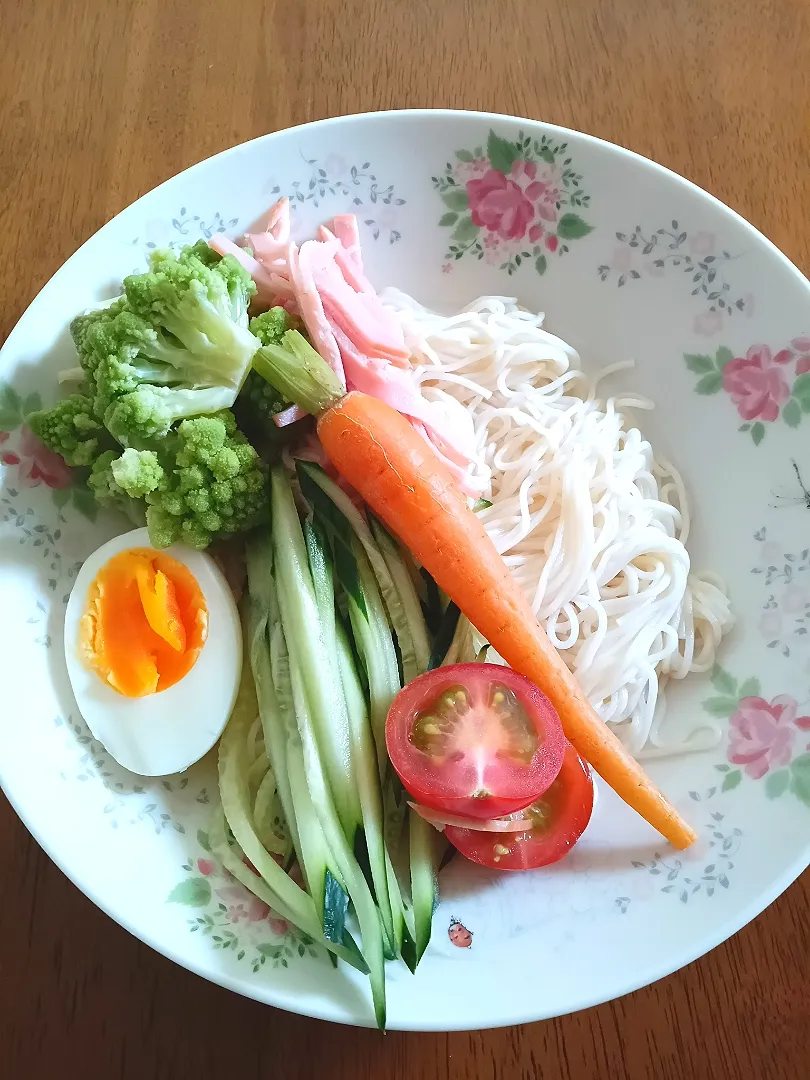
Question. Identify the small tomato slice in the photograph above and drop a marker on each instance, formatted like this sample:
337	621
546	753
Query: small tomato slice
560	817
477	740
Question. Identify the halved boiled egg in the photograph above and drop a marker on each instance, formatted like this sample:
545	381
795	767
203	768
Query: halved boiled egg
153	647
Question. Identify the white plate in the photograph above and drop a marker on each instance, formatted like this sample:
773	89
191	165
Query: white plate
634	262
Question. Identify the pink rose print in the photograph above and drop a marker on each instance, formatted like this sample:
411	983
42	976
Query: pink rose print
277	925
334	166
499	205
36	464
756	384
770	552
702	243
708	323
512	203
447	268
761	735
770	625
492	249
257	910
541	185
470	170
802	347
206	867
623	259
795	599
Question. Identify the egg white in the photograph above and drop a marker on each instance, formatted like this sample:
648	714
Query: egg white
165	732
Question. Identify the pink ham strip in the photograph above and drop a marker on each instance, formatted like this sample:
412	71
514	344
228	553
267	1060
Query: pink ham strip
349	266
344	226
301	264
396	388
276	221
270	246
289	416
269	286
362	318
459	472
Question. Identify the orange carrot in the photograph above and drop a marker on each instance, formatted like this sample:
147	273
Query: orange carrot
402	480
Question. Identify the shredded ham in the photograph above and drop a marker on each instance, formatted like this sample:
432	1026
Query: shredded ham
323	282
289	416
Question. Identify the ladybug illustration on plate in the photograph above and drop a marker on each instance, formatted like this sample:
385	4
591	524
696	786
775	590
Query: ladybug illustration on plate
460	936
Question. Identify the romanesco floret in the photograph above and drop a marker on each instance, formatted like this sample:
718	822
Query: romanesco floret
270	326
215	484
146	414
71	429
201	304
107	491
138	472
259	401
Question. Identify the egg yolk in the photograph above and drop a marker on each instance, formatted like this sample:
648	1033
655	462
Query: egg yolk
144	624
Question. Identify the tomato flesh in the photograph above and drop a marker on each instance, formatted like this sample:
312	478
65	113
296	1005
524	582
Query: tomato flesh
477	740
560	816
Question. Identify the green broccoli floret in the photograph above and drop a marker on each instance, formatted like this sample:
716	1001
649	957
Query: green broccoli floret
109	494
146	414
215	484
203	305
71	429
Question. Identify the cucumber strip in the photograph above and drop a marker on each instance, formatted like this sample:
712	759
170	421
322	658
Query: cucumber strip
367	913
277	888
256	773
365	771
271	674
406	608
342	518
426	848
230	857
307	645
255	739
261	607
379	567
372	635
267	818
323	878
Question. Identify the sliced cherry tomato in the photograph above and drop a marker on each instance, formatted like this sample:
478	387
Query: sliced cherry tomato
474	739
560	817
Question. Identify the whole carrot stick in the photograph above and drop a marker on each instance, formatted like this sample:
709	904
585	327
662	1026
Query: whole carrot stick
392	467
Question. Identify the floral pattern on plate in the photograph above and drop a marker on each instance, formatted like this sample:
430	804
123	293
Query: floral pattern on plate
375	205
763	385
163	802
684	879
784	621
30	463
767	740
697	256
233	918
512	202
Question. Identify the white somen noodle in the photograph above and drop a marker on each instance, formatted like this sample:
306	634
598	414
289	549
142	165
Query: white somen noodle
590	523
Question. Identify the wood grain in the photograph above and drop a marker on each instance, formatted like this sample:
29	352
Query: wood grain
102	99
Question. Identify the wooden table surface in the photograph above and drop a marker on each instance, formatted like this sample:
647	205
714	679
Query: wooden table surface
100	100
